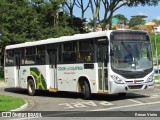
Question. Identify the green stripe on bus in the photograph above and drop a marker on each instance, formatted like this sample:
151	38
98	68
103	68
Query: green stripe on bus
39	78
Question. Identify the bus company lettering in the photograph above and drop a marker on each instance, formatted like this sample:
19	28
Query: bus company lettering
76	68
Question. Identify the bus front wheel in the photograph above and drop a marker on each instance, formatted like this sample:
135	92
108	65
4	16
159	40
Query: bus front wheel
85	89
31	88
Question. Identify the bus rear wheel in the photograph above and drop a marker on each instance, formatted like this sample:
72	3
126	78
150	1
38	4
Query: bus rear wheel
85	89
31	88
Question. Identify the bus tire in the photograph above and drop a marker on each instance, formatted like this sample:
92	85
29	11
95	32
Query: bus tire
86	90
122	94
31	87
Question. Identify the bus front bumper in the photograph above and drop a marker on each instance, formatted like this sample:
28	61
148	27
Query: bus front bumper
124	88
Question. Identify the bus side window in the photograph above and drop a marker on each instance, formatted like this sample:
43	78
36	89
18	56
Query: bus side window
60	53
70	52
86	50
40	55
9	57
23	56
30	55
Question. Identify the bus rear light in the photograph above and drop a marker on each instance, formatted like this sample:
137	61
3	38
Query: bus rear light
117	79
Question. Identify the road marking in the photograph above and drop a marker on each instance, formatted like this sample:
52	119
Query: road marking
126	106
105	103
154	96
90	103
85	104
158	95
67	106
78	105
135	101
59	114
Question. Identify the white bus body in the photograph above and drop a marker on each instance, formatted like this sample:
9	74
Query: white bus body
87	63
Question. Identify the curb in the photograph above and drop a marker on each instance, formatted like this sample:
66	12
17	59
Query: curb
22	107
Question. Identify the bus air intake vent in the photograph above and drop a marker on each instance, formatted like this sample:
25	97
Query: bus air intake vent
135	87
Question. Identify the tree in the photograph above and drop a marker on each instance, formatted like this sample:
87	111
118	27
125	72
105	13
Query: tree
70	5
156	21
30	20
136	21
16	21
78	24
48	11
90	24
95	7
112	5
121	18
80	4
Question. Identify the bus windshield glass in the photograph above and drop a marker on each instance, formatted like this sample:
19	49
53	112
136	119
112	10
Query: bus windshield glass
131	55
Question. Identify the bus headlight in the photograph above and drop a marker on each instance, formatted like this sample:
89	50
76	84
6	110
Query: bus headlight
150	78
117	79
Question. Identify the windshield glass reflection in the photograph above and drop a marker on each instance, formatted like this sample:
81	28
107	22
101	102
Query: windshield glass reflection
131	56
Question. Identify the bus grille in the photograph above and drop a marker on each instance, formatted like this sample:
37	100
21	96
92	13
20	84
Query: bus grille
135	87
137	81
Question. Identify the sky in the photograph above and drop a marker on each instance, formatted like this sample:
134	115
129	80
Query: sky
153	12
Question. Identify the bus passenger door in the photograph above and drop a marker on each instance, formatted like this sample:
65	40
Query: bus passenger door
52	57
17	58
102	66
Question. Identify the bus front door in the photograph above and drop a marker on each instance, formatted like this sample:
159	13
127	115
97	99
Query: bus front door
102	66
17	72
52	54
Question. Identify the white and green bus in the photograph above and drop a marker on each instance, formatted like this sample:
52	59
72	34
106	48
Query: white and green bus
105	62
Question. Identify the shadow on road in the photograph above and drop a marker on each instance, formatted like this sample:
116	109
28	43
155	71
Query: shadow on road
72	95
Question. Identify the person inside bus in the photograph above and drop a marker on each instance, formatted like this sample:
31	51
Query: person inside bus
129	56
118	54
135	51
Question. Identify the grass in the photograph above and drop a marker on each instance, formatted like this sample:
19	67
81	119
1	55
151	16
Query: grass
8	103
1	79
156	77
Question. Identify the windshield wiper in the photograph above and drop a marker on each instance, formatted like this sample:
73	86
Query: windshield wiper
126	48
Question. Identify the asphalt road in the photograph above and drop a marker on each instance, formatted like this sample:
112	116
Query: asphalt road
68	104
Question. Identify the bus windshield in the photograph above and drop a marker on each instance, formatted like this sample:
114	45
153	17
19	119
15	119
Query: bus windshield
131	55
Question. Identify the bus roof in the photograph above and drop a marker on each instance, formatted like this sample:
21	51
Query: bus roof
57	40
63	39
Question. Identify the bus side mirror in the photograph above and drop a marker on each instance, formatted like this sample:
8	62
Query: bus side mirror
111	52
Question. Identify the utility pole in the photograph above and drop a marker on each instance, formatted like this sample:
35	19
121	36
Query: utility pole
0	48
156	52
